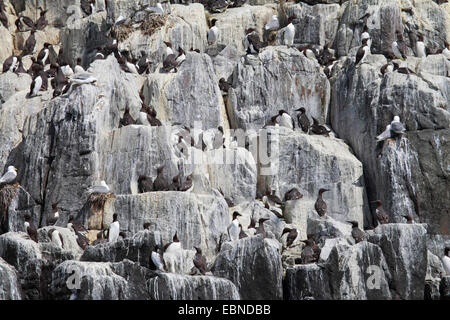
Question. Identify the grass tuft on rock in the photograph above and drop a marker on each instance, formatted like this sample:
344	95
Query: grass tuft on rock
152	23
7	194
97	200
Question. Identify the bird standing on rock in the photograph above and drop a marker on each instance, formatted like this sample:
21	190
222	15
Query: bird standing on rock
213	32
102	188
233	228
200	261
293	236
357	233
292	194
303	121
9	176
362	52
160	183
320	205
30	229
145	184
285	120
252	43
409	219
260	229
397	127
158	259
316	128
382	216
11	63
289	32
307	255
114	229
173	246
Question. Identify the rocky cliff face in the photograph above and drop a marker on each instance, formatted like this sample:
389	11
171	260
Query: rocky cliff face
62	145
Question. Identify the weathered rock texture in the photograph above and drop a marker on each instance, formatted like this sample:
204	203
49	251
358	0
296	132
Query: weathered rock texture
62	146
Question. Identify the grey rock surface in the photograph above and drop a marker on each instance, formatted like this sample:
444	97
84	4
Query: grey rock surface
251	264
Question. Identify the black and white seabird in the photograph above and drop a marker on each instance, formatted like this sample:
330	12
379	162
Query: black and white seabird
127	119
143	63
9	176
409	219
224	85
293	236
114	229
44	53
51	221
362	52
252	43
421	50
170	63
102	188
316	128
23	21
29	44
357	233
397	127
78	67
41	23
292	194
272	122
273	23
285	120
389	67
145	184
79	231
30	229
56	238
75	227
289	32
20	68
157	259
399	47
10	64
242	234
173	246
187	184
251	229
321	205
233	229
316	248
260	228
200	261
181	56
175	185
366	35
308	256
326	57
303	121
87	6
213	32
160	183
271	196
381	214
35	86
169	49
